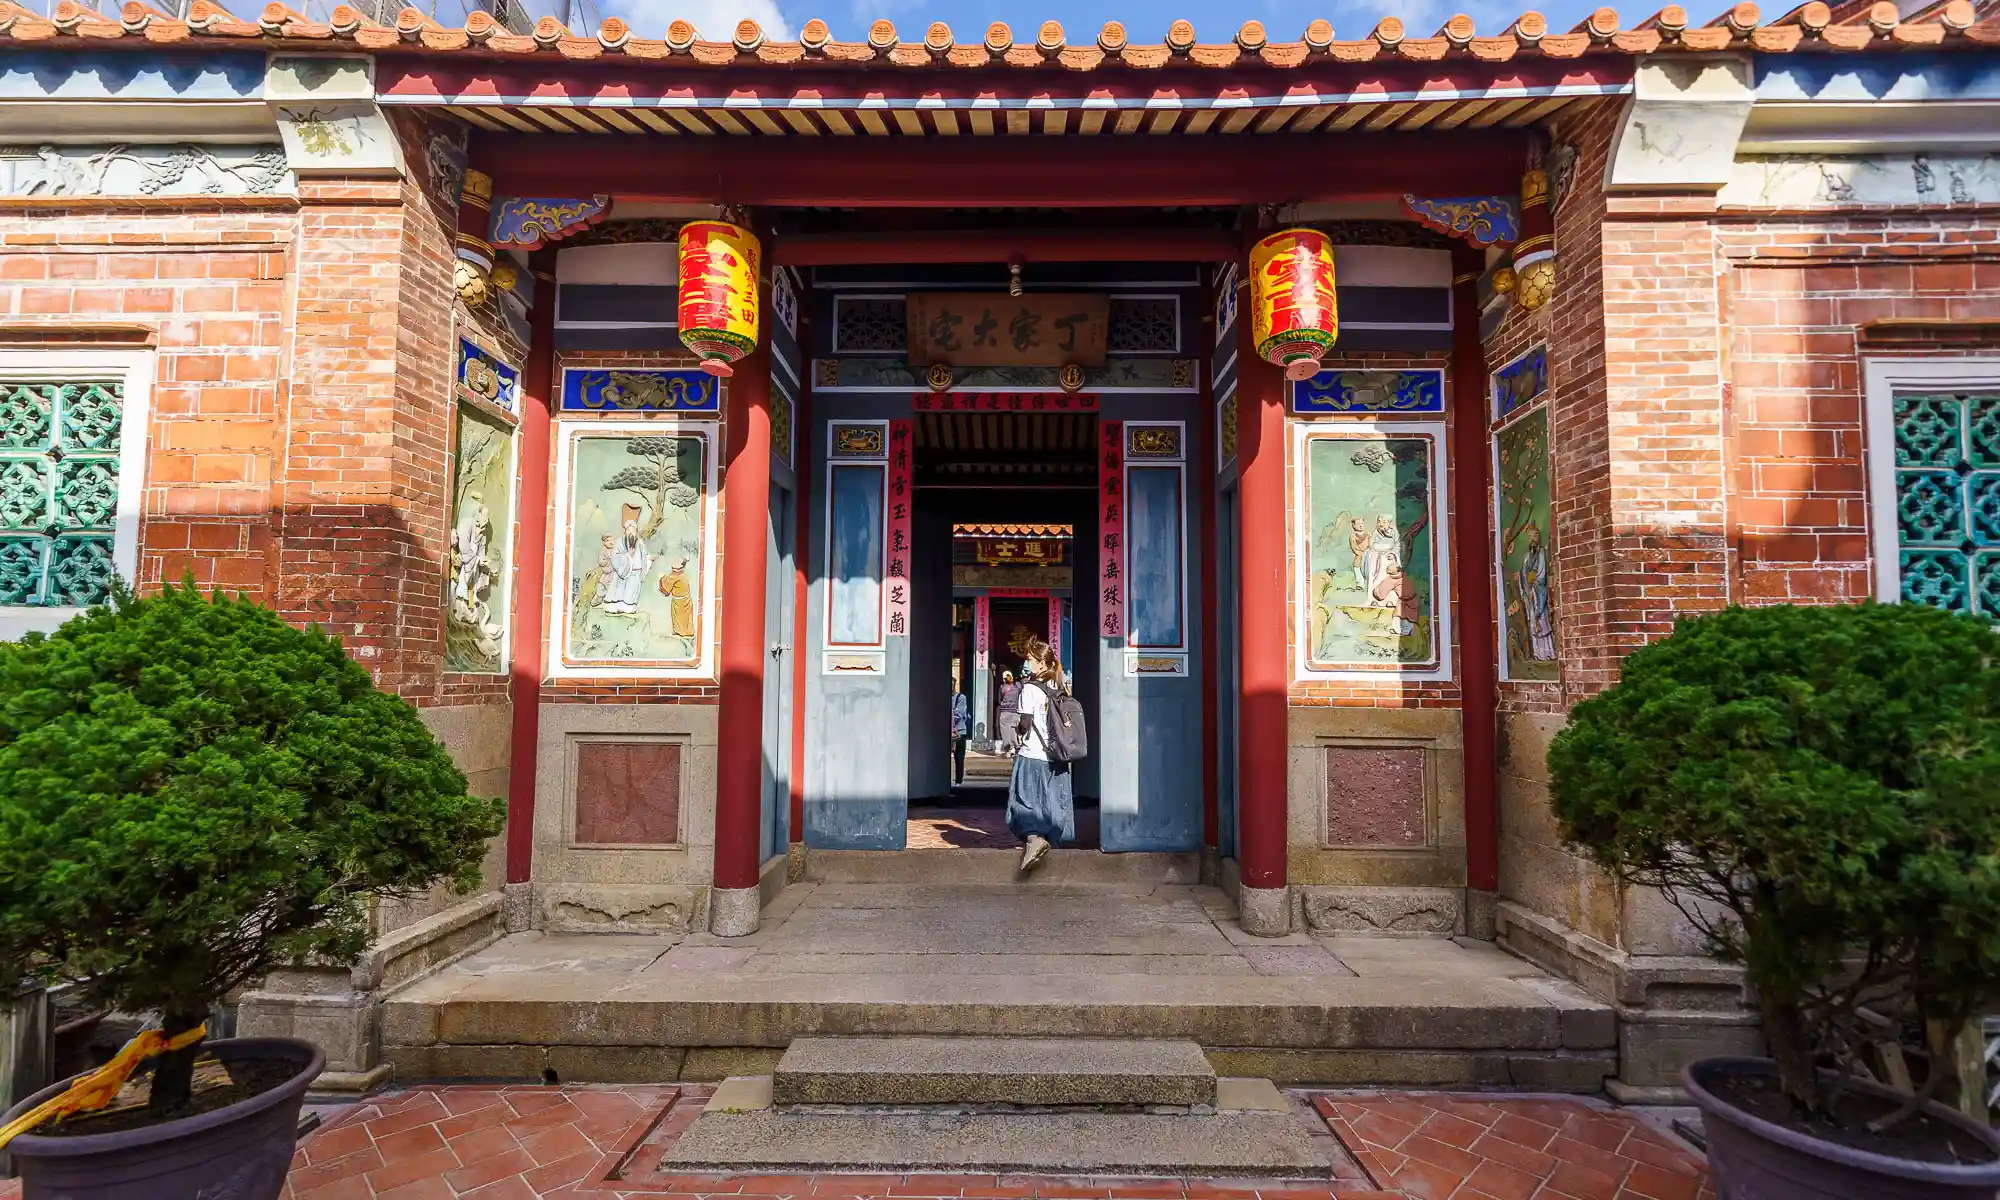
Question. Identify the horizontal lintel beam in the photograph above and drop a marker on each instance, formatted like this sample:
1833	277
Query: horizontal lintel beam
1010	172
1006	246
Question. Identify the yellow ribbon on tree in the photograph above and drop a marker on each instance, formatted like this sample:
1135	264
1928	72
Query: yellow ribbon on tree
88	1093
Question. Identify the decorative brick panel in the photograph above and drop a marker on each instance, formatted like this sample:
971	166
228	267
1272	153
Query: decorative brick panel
1377	797
1368	693
628	793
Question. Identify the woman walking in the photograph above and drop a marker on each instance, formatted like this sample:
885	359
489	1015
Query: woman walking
1041	808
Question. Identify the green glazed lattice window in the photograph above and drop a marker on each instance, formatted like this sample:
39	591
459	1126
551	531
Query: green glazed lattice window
1948	500
59	445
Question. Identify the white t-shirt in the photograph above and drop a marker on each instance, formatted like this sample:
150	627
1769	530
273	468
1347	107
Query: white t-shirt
1035	703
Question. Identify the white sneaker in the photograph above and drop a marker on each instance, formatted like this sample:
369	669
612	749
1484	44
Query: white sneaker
1036	850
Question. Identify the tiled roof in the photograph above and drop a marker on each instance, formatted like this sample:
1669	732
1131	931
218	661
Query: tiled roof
1013	531
1812	26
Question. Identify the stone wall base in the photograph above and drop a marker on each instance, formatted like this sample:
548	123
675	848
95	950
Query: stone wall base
338	1009
1383	911
620	908
1672	1009
1264	912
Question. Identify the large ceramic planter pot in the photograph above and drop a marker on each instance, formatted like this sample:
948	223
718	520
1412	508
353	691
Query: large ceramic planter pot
1754	1159
236	1153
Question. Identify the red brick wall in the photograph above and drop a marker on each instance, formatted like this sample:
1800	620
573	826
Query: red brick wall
300	437
1801	288
1572	326
205	287
1706	399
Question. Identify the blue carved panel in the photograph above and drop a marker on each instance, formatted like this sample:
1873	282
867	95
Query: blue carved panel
1363	393
59	452
1520	383
1947	450
1481	220
640	391
483	377
1928	431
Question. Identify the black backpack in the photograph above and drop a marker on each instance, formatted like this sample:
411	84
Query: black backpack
1068	741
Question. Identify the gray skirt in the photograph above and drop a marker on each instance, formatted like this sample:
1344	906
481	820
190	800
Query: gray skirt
1039	801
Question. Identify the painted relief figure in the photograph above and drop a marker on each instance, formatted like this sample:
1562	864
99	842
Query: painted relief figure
1527	608
1371	582
635	549
476	590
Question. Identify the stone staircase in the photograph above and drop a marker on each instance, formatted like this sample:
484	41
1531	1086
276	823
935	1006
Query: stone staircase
1042	958
1098	1106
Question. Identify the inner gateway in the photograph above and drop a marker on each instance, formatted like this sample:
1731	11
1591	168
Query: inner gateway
1006	481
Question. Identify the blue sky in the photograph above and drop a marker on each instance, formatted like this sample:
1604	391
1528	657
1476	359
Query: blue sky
1214	20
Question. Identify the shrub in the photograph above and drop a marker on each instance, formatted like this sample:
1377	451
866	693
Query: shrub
1818	790
193	792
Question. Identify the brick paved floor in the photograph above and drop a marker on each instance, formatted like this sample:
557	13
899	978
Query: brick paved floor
606	1143
1435	1147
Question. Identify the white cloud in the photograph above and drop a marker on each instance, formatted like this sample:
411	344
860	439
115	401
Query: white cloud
715	20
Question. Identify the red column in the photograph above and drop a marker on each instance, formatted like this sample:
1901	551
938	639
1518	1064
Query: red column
1472	536
739	745
528	641
1261	742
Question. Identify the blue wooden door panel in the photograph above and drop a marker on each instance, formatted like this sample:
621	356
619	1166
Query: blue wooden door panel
1150	785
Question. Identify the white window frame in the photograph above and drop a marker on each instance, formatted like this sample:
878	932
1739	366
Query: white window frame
134	369
1882	378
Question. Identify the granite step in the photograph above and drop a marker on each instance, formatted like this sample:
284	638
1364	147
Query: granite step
1032	1071
1081	1142
1062	868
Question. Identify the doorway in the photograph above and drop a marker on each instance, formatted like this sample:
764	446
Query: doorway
891	580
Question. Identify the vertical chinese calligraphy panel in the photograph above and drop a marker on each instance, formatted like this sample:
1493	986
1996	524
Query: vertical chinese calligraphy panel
1055	627
901	500
982	630
1111	531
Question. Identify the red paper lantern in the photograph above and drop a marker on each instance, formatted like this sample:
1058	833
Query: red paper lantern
1294	318
718	294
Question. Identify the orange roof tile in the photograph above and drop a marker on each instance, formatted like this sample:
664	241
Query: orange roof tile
1853	25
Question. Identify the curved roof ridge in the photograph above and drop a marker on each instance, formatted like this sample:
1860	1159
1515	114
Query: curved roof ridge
1849	25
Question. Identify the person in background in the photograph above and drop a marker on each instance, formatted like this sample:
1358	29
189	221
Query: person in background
1010	712
961	728
1041	807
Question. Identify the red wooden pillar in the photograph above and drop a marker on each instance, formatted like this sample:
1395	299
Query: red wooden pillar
1263	898
739	744
528	640
1472	535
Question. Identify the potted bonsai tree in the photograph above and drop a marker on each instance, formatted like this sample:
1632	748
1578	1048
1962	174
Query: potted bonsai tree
193	792
1818	790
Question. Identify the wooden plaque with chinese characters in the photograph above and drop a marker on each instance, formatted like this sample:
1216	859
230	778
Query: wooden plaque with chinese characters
993	329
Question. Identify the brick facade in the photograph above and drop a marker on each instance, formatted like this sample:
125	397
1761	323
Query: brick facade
1706	402
1804	291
